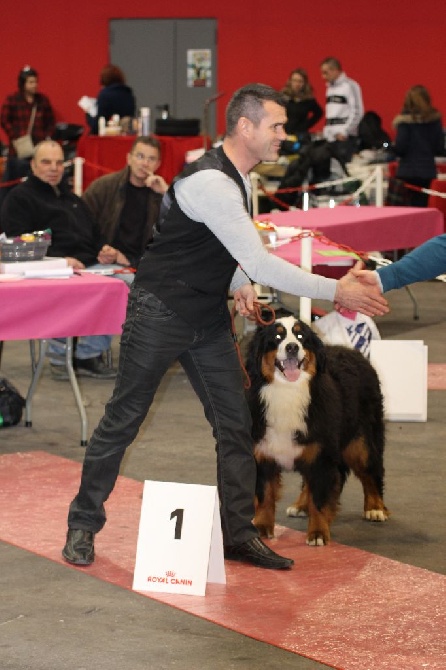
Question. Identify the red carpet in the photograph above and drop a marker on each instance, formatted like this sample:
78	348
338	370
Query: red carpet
436	376
340	606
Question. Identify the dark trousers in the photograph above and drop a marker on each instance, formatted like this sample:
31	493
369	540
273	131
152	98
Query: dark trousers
343	150
416	198
153	338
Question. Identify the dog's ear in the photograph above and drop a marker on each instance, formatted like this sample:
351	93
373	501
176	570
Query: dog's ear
319	350
256	349
313	343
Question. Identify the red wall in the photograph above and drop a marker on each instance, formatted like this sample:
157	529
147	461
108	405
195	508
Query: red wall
386	46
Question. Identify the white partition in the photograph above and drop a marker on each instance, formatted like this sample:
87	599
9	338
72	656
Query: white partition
402	369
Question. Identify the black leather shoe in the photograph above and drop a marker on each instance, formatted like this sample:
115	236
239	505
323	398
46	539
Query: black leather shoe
93	367
79	547
257	553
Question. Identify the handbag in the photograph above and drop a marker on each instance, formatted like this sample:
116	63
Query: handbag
11	404
24	146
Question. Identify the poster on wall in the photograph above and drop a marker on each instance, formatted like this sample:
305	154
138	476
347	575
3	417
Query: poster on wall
199	73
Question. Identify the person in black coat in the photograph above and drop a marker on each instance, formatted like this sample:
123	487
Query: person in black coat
45	201
419	138
114	98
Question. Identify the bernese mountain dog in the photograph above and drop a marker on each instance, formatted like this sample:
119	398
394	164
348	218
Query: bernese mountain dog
318	410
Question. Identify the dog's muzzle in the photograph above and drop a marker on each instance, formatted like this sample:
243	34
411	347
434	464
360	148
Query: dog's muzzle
290	367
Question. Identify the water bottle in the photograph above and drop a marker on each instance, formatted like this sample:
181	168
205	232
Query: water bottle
144	121
101	125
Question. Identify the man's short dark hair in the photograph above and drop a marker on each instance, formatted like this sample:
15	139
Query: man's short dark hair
248	101
332	62
149	141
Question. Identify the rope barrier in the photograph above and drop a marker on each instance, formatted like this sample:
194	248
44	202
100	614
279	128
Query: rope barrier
98	167
420	189
296	189
272	195
13	182
316	234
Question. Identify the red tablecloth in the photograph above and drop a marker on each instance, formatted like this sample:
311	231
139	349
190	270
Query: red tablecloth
367	228
45	308
108	154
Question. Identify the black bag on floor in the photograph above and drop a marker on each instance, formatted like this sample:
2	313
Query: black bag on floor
11	404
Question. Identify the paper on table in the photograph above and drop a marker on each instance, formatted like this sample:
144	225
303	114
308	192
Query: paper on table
58	273
88	105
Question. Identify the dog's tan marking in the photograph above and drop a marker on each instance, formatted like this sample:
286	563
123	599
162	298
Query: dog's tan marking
309	364
265	514
319	521
356	457
300	506
310	453
268	366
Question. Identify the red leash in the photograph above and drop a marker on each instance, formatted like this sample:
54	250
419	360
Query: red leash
257	317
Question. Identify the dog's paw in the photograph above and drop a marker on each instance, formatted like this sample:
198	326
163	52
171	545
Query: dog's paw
294	511
376	515
265	531
316	540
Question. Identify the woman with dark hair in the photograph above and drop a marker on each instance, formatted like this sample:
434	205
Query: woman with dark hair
19	119
114	98
419	138
302	108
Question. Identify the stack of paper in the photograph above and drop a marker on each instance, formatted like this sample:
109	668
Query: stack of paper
48	273
20	267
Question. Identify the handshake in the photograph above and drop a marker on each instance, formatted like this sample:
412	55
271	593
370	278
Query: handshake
360	290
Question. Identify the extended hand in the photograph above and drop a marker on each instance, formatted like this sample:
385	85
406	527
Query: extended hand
362	295
366	277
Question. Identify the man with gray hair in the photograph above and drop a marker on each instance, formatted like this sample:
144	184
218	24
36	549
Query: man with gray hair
205	244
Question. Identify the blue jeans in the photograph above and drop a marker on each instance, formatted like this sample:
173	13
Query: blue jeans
89	346
153	338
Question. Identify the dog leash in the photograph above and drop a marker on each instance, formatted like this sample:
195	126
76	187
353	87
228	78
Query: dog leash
257	318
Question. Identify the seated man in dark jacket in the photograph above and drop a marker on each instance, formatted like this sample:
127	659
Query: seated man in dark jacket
126	204
45	201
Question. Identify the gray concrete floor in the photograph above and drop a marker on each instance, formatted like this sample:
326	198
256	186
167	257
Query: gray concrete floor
52	618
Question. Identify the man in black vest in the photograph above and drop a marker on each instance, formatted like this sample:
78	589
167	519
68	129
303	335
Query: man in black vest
178	311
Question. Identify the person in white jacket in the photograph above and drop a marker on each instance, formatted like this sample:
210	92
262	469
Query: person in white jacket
344	109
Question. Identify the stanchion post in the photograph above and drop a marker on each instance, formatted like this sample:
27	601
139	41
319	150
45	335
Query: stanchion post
255	193
379	186
78	175
306	263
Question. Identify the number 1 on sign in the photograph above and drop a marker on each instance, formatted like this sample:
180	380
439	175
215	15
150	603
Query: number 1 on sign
178	514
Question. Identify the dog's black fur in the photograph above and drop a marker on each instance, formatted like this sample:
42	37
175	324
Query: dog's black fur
316	409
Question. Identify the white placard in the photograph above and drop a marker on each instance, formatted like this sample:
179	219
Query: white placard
402	369
180	544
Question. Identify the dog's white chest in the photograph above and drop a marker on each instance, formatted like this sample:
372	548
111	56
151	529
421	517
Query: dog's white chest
286	407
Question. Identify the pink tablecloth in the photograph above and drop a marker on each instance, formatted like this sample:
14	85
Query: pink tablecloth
45	308
367	228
